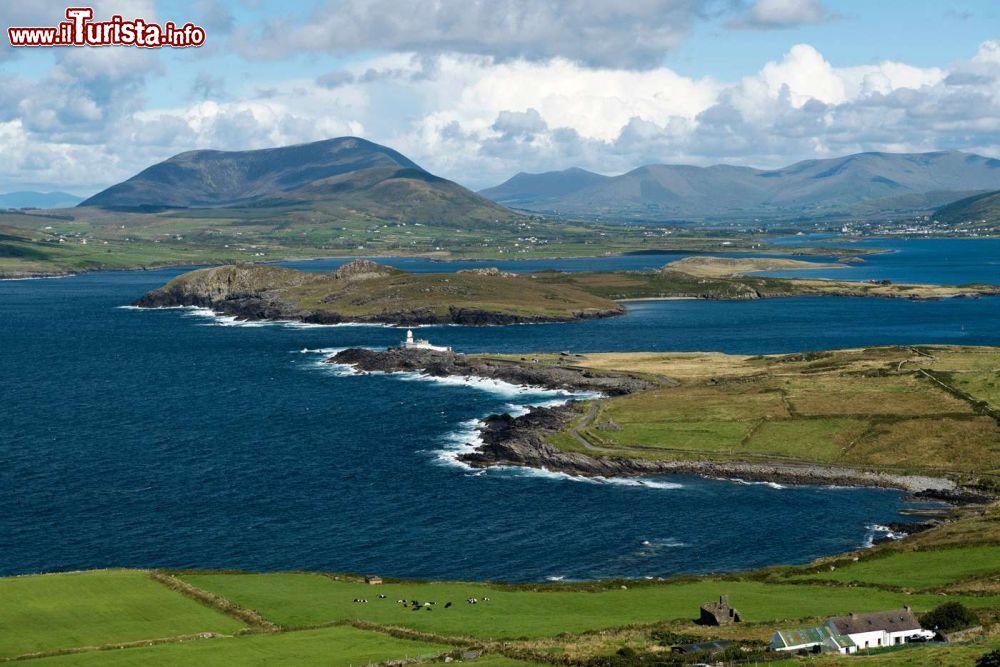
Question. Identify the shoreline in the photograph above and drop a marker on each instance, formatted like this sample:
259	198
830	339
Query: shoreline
507	440
520	441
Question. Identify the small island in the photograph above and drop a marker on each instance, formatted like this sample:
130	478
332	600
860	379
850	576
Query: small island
364	291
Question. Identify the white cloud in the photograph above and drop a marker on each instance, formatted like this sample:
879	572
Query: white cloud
776	14
478	119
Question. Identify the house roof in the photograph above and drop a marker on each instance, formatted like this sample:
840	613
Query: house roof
897	620
809	636
710	646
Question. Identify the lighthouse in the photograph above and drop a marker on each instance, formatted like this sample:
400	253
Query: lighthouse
412	343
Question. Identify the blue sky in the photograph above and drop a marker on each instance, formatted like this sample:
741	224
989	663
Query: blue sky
477	91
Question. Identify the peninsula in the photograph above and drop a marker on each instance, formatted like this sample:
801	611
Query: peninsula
925	419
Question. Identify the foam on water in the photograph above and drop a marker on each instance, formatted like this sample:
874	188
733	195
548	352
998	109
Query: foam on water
221	320
9	280
877	530
745	482
492	386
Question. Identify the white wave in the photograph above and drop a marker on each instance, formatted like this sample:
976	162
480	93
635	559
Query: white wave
640	482
545	397
555	577
633	482
663	543
150	308
464	440
218	319
329	351
337	370
773	485
10	280
877	530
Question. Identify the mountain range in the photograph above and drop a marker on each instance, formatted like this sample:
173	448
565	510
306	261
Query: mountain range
868	182
346	176
31	199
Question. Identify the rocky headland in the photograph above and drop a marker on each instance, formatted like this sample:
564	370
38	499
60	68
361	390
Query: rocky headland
524	440
363	291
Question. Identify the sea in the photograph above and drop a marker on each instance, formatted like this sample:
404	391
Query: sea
176	438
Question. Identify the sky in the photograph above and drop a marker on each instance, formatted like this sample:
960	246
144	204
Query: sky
478	90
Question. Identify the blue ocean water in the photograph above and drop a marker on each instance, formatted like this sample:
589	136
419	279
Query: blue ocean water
941	261
162	438
637	262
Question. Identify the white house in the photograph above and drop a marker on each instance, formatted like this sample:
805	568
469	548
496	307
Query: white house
854	632
412	343
882	628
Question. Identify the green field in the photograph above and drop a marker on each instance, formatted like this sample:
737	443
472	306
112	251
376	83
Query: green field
117	617
56	611
919	569
30	242
901	409
336	647
298	600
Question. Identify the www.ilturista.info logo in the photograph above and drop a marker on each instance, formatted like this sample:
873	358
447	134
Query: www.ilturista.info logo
80	30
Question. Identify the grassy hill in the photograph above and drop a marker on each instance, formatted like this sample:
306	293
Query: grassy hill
978	211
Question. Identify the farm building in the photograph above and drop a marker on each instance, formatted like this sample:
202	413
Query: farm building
883	628
716	646
373	580
812	639
848	634
719	613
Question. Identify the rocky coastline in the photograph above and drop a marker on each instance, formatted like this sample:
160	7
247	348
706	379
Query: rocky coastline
453	364
521	441
264	308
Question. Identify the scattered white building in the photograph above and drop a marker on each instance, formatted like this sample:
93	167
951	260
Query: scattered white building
412	343
854	632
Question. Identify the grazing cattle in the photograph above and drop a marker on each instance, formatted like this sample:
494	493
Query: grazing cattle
447	604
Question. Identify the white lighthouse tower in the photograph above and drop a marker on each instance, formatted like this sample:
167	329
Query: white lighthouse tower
412	343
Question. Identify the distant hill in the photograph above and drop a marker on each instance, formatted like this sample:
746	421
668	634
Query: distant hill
534	188
31	199
348	175
813	186
977	210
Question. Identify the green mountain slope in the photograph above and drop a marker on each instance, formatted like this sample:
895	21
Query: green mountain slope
345	176
983	209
